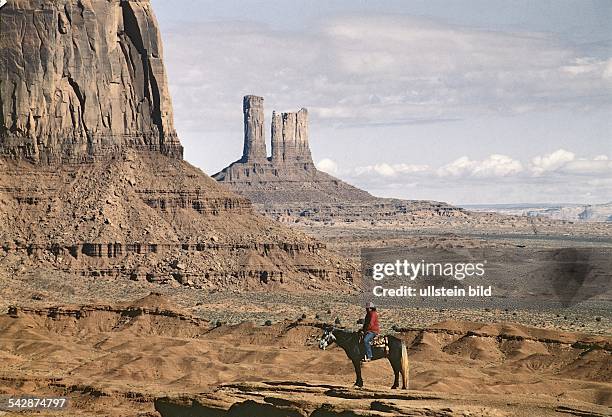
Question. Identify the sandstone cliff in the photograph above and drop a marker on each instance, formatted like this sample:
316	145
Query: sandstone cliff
81	80
290	138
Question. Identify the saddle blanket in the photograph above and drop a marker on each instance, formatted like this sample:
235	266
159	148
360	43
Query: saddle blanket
380	341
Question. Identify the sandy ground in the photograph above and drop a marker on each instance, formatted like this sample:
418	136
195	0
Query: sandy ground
124	359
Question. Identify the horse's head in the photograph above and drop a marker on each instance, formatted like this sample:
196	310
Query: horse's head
327	339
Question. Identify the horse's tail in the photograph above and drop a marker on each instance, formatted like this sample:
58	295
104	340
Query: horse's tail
405	366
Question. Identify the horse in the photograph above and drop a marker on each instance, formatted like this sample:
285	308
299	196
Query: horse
352	345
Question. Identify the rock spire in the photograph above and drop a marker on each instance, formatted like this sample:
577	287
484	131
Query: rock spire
290	138
254	136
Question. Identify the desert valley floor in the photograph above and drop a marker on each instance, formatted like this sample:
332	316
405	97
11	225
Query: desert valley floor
123	348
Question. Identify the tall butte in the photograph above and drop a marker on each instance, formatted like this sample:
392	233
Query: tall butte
92	178
287	185
289	174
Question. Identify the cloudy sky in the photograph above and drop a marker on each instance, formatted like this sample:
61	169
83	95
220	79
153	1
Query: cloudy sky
479	101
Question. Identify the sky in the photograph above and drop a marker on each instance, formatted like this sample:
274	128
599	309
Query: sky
468	102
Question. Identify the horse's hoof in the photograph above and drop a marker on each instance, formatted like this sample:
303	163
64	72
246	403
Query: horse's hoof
394	387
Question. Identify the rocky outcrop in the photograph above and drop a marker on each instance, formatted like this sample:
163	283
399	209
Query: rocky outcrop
298	399
289	134
148	217
290	162
287	185
82	80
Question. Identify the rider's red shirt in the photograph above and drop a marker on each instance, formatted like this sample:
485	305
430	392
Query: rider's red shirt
371	322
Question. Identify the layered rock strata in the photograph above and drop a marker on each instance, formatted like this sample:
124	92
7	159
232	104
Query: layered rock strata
148	217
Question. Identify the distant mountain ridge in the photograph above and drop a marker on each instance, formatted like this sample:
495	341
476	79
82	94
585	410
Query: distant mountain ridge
564	211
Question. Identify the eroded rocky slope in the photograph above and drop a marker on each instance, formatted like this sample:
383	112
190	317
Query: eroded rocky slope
145	216
92	178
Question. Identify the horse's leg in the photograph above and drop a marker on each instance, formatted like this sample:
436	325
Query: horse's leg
359	380
395	359
396	372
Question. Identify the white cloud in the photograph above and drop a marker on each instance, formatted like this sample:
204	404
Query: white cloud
607	74
551	161
390	170
588	167
562	162
385	170
458	167
328	165
558	176
581	66
554	164
493	166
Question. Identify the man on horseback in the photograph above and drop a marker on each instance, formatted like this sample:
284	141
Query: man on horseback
371	328
352	344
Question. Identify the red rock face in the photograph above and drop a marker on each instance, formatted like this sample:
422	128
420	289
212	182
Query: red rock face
151	217
82	81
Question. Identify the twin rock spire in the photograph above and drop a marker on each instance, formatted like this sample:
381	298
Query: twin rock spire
289	135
